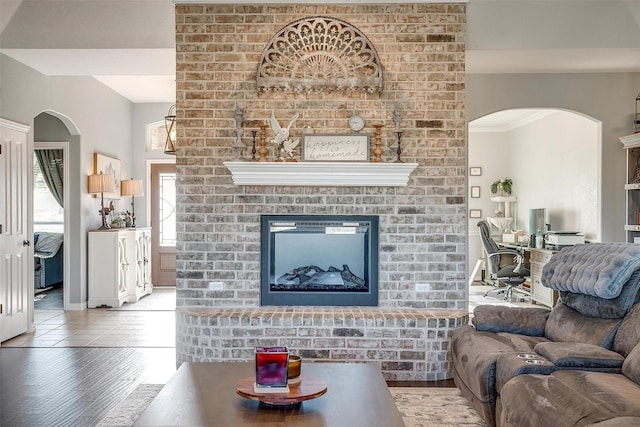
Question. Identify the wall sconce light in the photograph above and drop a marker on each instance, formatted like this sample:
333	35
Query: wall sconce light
170	125
101	183
132	187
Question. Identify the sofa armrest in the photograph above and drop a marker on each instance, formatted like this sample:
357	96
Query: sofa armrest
515	320
513	364
579	355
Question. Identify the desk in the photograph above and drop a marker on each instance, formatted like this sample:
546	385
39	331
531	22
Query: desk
204	394
538	258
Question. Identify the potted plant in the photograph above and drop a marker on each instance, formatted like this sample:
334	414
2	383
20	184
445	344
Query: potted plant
117	223
502	187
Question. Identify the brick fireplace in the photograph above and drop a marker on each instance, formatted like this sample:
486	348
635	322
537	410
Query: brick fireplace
422	226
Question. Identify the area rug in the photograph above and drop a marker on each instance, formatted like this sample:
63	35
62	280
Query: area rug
431	407
128	411
420	407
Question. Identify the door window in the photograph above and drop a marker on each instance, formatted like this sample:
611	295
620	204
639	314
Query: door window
167	193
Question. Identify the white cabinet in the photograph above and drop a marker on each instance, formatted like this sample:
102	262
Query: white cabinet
119	266
141	286
538	258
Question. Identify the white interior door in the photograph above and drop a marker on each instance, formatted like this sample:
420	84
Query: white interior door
16	255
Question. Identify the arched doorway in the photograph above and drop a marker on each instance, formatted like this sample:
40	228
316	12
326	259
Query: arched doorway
53	129
553	157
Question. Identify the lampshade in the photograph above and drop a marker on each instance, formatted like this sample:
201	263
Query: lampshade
100	183
170	125
131	187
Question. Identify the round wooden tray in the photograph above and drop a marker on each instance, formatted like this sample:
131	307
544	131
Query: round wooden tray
306	389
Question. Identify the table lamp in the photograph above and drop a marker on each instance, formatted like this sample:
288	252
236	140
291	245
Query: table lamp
132	187
101	183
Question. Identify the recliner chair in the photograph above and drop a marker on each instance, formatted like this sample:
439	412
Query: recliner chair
510	273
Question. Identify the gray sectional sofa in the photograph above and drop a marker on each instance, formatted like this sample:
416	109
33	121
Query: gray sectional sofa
575	365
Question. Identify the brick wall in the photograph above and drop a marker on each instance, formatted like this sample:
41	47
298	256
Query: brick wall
407	344
422	225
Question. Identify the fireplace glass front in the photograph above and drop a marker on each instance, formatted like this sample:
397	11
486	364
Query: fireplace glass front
322	260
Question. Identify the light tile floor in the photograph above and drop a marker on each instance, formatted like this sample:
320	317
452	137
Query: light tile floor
148	323
476	297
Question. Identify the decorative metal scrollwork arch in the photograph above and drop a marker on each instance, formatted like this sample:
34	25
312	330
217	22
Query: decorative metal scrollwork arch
319	54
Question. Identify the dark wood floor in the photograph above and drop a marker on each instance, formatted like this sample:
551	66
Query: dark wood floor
74	386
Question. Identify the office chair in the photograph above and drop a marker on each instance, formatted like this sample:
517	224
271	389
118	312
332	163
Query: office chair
509	271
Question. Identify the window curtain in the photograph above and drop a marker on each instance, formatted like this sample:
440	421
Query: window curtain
51	165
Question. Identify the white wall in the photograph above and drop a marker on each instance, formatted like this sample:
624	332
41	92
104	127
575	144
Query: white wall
98	118
553	162
483	147
143	115
554	165
607	97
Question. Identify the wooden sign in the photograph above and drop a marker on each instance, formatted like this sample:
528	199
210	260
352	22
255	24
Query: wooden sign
335	148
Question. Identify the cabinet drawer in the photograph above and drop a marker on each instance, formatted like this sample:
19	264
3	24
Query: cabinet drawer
540	256
536	269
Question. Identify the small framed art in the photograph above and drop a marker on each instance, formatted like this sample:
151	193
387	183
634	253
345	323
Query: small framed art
475	171
475	192
110	166
475	213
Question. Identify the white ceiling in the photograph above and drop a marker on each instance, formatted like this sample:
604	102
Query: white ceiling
504	121
148	75
140	75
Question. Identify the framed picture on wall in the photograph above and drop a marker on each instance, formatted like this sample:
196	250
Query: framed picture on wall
475	192
475	213
475	171
108	165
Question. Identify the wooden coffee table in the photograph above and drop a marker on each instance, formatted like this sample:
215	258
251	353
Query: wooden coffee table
204	394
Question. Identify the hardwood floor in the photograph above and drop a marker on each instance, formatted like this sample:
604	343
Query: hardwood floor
77	366
74	386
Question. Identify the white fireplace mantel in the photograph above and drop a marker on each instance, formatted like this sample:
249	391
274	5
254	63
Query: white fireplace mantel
345	174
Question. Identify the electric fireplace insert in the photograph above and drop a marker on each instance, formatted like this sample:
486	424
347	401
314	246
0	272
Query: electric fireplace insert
321	260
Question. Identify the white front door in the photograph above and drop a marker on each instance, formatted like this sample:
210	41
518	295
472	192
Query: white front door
16	256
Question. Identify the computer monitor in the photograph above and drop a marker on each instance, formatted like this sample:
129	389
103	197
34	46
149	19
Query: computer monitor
537	220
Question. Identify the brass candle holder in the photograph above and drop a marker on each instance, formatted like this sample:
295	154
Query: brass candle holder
377	150
262	151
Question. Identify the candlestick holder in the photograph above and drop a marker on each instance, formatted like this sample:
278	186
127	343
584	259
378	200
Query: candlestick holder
377	151
238	145
399	149
262	151
253	145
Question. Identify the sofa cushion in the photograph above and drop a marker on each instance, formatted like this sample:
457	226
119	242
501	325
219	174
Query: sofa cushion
598	269
515	320
475	355
567	398
631	365
579	355
567	325
628	336
607	308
